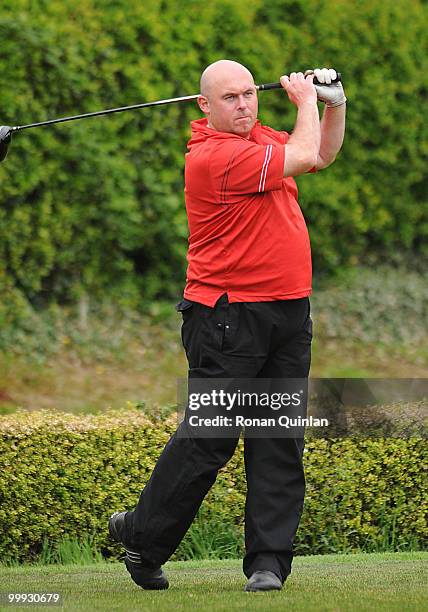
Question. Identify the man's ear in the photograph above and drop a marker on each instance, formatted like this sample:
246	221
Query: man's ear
203	103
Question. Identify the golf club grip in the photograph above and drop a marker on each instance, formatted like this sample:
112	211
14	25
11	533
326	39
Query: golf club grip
266	86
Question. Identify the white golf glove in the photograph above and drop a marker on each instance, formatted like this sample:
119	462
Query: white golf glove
332	94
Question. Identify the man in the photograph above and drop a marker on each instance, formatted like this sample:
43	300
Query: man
245	313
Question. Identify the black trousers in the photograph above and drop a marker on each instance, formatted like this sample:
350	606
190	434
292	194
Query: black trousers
239	340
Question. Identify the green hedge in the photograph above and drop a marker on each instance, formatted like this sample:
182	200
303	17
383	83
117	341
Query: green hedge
61	476
97	205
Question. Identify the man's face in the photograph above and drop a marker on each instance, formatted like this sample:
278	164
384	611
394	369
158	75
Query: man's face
231	103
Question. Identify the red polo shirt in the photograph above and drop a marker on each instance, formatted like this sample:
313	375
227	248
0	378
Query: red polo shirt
248	237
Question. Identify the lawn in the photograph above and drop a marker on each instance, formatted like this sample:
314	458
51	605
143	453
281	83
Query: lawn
55	359
145	371
360	582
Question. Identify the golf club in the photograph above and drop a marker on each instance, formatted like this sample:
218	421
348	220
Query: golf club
7	131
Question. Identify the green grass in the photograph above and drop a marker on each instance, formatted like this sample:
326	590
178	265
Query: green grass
360	582
145	370
70	552
55	359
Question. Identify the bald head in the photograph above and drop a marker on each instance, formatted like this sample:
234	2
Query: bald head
229	98
221	72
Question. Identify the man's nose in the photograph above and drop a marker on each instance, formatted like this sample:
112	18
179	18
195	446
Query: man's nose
242	103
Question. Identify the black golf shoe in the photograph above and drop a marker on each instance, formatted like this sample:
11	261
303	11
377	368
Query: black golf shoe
145	577
263	580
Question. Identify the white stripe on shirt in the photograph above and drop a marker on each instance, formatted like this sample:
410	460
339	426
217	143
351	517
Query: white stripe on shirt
265	167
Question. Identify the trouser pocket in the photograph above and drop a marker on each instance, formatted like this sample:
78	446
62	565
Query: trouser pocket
219	323
184	305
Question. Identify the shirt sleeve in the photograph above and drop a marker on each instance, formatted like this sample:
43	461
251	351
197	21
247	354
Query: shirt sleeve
283	137
241	168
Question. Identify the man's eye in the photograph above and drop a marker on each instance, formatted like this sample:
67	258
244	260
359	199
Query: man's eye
229	97
249	93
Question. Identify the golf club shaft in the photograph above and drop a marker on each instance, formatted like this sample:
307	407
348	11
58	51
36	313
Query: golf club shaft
17	128
267	86
109	111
